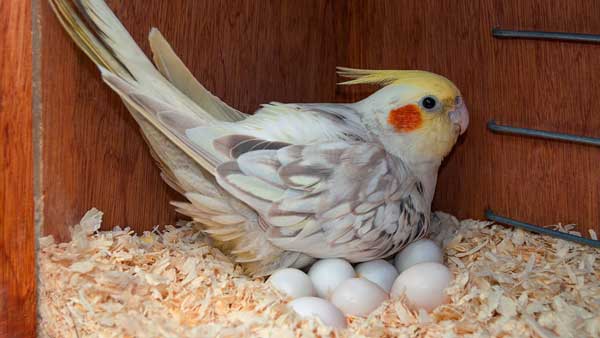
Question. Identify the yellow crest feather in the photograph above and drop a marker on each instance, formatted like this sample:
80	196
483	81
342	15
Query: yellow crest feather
388	77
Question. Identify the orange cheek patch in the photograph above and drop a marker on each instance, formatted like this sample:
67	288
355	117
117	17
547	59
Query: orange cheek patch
406	118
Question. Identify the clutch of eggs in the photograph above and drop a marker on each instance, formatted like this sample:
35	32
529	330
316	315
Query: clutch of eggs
356	291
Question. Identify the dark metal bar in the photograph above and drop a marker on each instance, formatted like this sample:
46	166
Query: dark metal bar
543	134
489	214
505	33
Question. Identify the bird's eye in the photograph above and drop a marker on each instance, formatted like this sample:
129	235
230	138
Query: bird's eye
430	103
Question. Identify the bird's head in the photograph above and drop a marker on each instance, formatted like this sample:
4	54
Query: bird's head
417	115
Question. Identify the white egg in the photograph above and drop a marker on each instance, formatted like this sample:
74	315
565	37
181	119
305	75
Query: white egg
424	285
318	307
421	251
293	282
379	272
358	297
327	274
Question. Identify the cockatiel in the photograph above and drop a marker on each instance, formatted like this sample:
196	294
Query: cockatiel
293	182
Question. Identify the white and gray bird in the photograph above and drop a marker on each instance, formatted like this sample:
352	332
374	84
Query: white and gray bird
293	182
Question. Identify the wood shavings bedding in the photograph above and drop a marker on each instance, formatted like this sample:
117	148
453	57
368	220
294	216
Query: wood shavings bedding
507	283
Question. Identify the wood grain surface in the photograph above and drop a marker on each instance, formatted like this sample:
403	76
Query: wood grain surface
17	264
250	52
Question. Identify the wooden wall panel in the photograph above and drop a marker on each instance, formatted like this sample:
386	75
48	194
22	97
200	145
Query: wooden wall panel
537	84
249	52
17	264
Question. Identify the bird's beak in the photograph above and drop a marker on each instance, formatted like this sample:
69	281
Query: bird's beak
460	115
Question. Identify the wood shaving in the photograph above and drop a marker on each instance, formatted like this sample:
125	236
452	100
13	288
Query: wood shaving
507	283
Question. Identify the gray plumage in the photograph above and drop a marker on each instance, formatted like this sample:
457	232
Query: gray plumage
291	183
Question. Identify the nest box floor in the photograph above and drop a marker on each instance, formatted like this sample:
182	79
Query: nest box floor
172	284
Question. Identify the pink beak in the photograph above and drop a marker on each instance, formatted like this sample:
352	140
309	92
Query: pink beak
460	115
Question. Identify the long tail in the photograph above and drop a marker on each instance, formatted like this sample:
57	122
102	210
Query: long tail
99	33
177	73
165	102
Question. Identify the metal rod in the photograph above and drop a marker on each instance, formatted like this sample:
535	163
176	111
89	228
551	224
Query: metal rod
595	141
489	214
505	33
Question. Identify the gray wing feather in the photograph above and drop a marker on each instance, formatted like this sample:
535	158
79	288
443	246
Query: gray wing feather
337	199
